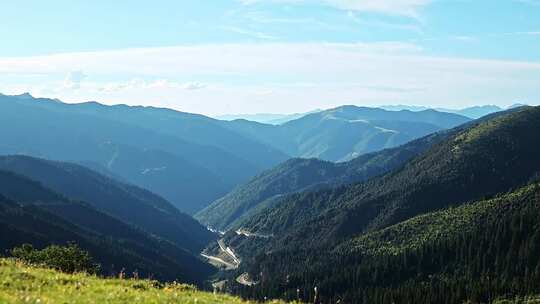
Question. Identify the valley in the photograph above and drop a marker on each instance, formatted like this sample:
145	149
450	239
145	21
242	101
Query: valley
369	226
352	226
270	152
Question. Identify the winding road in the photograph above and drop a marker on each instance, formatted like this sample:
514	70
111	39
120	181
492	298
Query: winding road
244	280
220	261
229	252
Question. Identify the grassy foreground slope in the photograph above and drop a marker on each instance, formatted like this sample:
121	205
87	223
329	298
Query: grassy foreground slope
24	284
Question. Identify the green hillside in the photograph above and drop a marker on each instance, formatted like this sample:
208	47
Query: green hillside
299	175
479	252
307	175
441	225
495	156
128	203
492	157
24	284
31	213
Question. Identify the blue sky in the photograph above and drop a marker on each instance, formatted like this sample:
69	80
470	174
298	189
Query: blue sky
231	56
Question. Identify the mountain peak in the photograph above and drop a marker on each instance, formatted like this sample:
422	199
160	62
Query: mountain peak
517	105
24	96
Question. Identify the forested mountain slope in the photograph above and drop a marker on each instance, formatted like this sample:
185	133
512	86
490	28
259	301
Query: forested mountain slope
31	213
193	128
479	252
307	175
491	157
495	156
128	203
297	175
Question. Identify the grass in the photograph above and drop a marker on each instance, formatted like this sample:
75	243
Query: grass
20	283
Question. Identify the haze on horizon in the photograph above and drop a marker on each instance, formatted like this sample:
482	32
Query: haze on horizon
273	56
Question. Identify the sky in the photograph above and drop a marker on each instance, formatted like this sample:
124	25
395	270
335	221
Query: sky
219	57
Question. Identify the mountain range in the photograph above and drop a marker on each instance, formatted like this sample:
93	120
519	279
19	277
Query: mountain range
145	146
192	160
266	118
346	132
472	112
348	205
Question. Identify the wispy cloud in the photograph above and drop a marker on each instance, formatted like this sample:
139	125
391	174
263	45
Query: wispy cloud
393	7
138	83
260	17
353	16
250	33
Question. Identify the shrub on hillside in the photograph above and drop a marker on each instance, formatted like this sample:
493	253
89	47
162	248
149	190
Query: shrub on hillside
67	259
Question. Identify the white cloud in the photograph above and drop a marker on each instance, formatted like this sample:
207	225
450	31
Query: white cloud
137	83
73	79
250	33
192	86
277	77
161	84
393	7
397	7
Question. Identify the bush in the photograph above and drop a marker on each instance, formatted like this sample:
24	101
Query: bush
67	259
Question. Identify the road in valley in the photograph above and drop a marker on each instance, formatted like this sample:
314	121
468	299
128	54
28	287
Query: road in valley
241	279
228	251
244	280
220	261
217	261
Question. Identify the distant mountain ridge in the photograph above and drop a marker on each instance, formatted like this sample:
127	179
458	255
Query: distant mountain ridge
346	132
473	112
266	118
145	146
